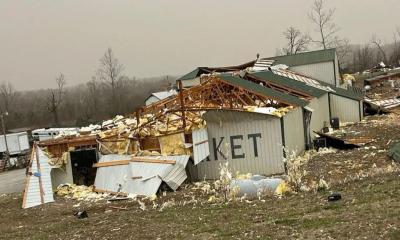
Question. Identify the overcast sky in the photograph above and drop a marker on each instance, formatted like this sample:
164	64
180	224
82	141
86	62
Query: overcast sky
41	38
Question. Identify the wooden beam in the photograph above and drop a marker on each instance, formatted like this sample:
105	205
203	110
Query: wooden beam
198	143
182	103
152	160
111	163
40	175
137	177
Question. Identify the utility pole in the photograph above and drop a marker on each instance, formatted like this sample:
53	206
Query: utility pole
3	126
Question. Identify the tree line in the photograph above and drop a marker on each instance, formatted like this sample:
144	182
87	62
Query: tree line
110	92
352	57
107	94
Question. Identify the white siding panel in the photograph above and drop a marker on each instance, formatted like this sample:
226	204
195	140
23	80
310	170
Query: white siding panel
240	128
294	130
32	195
113	178
320	71
119	178
320	115
201	149
347	110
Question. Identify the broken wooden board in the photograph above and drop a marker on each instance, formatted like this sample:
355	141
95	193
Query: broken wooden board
111	163
343	143
152	160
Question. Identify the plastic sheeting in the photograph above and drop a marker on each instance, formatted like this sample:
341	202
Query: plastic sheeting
257	184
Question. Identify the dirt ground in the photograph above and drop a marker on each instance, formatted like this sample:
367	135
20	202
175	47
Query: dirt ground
367	179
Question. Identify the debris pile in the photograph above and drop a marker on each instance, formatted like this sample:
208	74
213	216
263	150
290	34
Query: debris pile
80	193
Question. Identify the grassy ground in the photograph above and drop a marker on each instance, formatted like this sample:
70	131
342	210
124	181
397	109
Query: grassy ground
370	207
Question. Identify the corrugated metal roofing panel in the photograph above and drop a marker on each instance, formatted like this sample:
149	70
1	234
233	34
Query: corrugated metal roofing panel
32	195
201	149
172	174
312	86
279	96
306	57
124	178
284	80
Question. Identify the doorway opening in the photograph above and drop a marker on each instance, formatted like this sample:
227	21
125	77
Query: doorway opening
83	172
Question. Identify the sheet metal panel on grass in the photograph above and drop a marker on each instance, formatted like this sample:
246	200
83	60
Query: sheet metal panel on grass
140	178
38	188
251	142
149	176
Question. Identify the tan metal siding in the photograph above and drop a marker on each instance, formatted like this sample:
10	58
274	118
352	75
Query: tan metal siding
347	110
320	113
294	130
201	148
337	73
320	71
229	123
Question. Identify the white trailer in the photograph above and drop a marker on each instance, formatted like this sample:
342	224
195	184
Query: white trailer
18	143
50	133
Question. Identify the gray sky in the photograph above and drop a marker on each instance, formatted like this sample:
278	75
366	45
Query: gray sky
40	38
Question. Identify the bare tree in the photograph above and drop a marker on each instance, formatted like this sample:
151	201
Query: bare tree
110	71
323	19
92	96
54	98
8	96
395	56
296	41
364	57
379	45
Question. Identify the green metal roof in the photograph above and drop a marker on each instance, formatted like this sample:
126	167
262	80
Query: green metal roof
343	92
306	57
301	86
193	74
263	90
288	82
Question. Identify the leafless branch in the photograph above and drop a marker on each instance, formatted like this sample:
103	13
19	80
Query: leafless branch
378	43
110	71
323	19
8	96
296	41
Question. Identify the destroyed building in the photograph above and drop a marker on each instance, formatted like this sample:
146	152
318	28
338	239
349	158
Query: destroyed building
322	65
248	115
